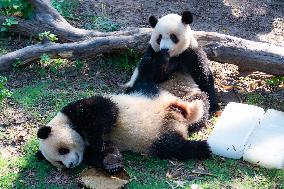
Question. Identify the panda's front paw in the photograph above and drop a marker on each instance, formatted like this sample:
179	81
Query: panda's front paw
112	158
113	163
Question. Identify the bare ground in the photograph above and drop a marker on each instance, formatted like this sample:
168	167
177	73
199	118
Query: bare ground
258	20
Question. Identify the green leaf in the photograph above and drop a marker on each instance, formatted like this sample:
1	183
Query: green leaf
44	59
3	29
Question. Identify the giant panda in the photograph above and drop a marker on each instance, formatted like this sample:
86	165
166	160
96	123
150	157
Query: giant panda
98	128
177	63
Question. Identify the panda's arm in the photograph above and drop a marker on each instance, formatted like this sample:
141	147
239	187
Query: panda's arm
197	65
173	145
151	68
92	117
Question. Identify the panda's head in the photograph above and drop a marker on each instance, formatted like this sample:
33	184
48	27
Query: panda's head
61	145
172	33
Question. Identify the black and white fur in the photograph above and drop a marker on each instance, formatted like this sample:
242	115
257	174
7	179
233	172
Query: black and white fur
172	51
99	127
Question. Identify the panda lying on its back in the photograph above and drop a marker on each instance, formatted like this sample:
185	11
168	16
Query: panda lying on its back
173	50
101	126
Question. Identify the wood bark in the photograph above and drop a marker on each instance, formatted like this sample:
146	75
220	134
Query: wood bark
246	54
82	49
31	28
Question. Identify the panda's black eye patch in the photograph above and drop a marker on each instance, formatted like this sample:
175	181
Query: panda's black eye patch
159	39
63	151
174	38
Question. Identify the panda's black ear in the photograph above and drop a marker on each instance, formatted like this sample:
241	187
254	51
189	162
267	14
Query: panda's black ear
43	132
186	17
153	21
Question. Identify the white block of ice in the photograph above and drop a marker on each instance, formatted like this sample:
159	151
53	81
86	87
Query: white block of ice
233	128
266	144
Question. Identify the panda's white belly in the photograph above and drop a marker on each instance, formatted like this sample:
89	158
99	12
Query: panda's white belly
140	120
181	85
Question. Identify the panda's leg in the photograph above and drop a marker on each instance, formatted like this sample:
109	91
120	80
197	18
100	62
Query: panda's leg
93	153
174	145
93	133
195	127
212	95
109	158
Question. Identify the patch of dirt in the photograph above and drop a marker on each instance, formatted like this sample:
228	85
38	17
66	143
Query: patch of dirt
59	177
16	127
258	20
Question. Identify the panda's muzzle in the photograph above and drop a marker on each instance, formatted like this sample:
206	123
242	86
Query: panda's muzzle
165	51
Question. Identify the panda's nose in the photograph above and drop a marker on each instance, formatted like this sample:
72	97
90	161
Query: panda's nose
164	51
71	165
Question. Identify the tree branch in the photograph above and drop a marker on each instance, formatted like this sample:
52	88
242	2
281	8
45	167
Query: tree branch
46	14
246	54
82	49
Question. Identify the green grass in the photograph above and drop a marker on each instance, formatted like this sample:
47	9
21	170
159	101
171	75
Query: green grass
124	62
27	171
66	8
45	98
275	81
101	23
255	99
3	45
41	97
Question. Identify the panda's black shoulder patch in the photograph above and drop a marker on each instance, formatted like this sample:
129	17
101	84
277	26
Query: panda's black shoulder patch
95	113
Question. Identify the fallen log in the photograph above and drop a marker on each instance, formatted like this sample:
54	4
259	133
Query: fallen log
248	55
82	49
31	28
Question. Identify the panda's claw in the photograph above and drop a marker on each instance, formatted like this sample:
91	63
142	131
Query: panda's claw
112	169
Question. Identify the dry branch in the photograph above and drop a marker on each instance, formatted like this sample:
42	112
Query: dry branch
31	28
246	54
82	49
46	14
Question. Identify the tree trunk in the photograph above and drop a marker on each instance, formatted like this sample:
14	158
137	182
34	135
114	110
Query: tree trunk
246	54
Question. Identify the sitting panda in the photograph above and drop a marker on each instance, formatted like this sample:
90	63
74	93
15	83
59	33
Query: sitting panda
173	57
98	128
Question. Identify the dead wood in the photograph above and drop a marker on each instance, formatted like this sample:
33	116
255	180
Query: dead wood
246	54
82	49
